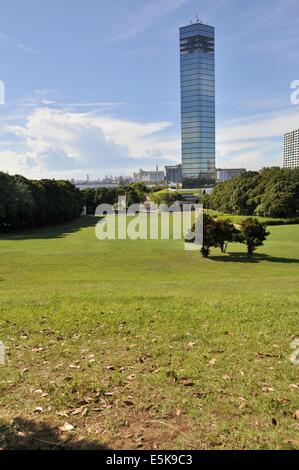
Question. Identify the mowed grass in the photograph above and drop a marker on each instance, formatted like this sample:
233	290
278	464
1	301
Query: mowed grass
142	345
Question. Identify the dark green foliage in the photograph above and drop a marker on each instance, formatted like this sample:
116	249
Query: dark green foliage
253	234
209	234
28	203
272	192
219	233
135	194
166	197
225	233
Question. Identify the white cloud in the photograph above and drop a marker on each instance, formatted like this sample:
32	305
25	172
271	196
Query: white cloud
25	48
58	141
261	126
11	161
255	141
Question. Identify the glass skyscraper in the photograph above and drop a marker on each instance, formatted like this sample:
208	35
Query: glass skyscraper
197	56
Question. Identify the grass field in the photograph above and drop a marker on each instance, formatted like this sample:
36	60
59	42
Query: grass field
142	345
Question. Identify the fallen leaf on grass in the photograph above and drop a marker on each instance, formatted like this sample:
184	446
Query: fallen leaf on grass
267	389
78	411
66	427
186	382
296	415
266	355
40	349
38	409
227	377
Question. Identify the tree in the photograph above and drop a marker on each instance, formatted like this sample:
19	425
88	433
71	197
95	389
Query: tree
225	233
165	197
253	234
209	235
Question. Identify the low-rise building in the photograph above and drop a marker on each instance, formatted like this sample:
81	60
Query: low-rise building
227	174
151	177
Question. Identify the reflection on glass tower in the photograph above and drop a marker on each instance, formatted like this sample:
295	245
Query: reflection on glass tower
197	104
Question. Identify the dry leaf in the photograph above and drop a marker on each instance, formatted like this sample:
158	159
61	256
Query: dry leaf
187	382
78	411
227	377
66	427
38	409
267	389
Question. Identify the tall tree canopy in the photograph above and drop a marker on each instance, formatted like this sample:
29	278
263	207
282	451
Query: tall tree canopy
28	203
272	192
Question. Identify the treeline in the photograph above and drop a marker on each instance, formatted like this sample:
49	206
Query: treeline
272	192
135	194
28	203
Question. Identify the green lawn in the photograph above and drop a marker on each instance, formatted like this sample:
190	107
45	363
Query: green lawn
140	344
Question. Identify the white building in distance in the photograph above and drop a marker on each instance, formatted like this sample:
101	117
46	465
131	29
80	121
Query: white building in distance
291	150
228	174
151	177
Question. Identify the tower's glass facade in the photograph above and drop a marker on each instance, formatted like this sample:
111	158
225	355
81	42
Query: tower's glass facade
198	104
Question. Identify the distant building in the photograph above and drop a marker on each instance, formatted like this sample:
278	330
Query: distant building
174	174
228	174
151	177
291	150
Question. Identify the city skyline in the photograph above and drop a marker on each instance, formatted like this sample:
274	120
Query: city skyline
70	109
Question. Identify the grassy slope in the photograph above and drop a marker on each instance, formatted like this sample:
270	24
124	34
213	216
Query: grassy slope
156	346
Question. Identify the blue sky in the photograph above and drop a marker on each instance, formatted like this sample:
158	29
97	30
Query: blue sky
93	86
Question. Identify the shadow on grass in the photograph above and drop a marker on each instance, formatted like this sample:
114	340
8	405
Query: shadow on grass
23	434
55	231
257	258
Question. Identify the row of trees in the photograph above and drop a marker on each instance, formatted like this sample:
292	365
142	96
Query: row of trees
272	192
219	233
135	194
28	203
